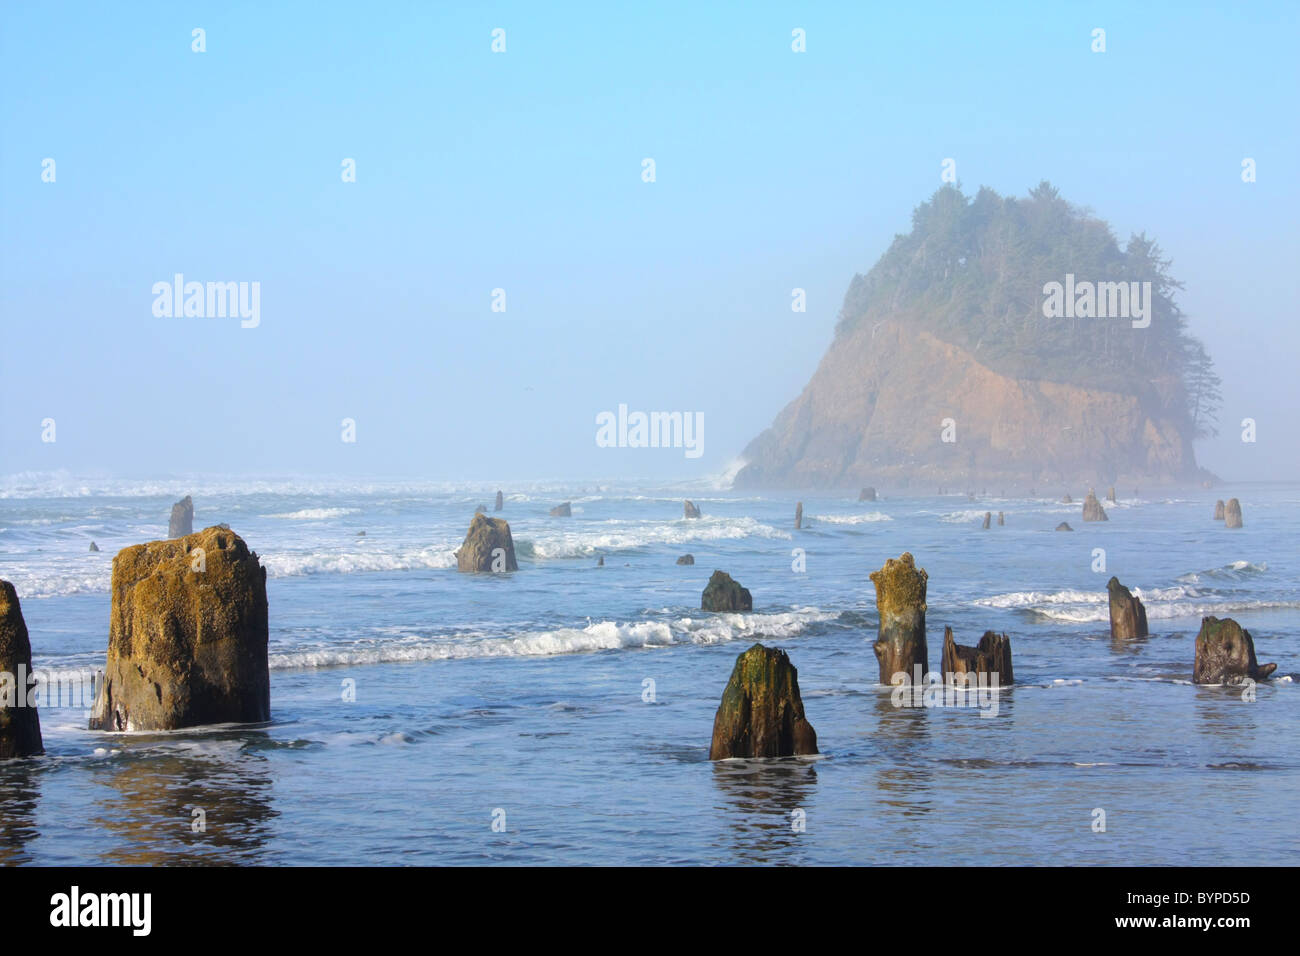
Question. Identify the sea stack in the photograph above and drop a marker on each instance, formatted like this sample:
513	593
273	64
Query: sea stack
988	519
992	655
1225	654
1128	618
686	559
500	502
20	725
761	714
488	546
1092	509
723	593
900	600
182	519
689	510
1218	510
1232	514
798	516
562	511
869	494
187	636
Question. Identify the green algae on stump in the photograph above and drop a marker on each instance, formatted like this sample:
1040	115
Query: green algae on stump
187	636
900	599
723	593
20	725
761	713
486	536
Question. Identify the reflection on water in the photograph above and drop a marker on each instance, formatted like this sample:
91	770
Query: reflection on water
767	804
19	795
152	812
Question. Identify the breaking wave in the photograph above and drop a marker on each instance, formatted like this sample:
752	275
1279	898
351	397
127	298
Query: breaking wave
594	636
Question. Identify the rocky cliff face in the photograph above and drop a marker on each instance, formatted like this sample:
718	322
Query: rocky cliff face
875	411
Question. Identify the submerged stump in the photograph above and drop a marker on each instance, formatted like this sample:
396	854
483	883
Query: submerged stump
1128	618
562	511
1225	654
1218	510
900	600
500	502
689	510
798	516
988	519
1232	514
761	713
992	655
869	494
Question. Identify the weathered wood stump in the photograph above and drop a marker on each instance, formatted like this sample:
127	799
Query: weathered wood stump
1218	510
900	601
1232	514
187	640
1225	654
500	502
20	725
562	511
1001	519
724	593
988	519
1092	509
761	713
689	510
1110	495
1128	618
869	494
488	546
181	522
992	655
798	516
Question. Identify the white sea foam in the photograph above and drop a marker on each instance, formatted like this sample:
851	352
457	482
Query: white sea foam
1177	609
315	514
614	535
295	563
594	636
868	518
1234	571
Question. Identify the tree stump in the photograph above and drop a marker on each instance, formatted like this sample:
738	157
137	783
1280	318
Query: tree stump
900	600
1128	618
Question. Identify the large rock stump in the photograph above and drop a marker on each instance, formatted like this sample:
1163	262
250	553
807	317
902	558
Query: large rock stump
1225	654
488	546
187	636
761	713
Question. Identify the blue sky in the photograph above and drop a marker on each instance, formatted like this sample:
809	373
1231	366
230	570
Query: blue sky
522	171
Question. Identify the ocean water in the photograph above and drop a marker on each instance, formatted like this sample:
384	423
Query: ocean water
562	714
